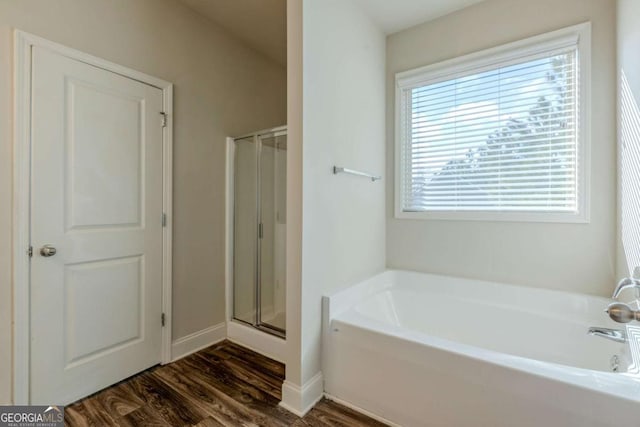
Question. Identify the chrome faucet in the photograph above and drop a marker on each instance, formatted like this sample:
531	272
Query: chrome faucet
625	284
610	334
621	312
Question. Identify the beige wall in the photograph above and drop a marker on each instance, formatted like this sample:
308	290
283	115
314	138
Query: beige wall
572	257
343	124
628	73
221	88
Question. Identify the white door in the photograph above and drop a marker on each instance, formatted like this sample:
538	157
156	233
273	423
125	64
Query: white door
97	199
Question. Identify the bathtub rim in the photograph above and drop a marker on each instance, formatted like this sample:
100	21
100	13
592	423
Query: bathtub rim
344	298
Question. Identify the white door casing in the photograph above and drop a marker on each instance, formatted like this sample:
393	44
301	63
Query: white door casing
99	160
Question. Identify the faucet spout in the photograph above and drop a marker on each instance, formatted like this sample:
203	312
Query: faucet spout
624	284
610	334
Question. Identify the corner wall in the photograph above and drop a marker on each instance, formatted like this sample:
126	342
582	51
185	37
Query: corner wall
221	88
343	223
570	257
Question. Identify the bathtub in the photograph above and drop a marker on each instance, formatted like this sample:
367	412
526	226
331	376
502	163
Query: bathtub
416	349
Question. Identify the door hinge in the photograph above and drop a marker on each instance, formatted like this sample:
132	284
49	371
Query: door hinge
30	251
164	219
164	119
162	319
260	232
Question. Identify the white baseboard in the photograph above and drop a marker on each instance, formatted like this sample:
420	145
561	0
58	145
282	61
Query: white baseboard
362	411
258	341
300	400
198	340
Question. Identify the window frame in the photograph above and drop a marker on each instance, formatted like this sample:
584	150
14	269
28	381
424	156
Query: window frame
576	35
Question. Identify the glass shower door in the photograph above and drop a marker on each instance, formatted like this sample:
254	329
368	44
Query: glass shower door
272	230
245	243
259	246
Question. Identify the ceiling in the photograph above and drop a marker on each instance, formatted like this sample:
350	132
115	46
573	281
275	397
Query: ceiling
262	24
396	15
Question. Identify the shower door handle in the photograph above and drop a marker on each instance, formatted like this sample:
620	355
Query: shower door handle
260	231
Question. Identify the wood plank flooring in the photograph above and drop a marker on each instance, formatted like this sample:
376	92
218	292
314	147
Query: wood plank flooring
223	385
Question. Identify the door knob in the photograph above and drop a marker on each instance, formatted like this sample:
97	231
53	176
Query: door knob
47	251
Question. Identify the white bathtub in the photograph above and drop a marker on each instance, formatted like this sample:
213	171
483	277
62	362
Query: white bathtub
423	350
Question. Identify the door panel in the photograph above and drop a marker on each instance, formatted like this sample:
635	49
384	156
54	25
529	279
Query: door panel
93	292
104	141
97	198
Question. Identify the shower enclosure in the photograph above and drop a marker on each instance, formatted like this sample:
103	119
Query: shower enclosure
259	229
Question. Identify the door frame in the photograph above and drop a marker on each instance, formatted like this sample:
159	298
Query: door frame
23	45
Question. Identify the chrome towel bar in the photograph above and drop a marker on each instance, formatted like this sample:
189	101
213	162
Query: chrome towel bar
339	169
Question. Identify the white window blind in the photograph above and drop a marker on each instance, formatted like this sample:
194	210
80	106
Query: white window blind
503	136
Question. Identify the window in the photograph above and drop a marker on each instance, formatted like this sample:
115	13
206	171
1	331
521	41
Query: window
498	135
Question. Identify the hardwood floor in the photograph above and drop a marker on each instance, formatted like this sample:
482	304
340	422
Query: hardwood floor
223	385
